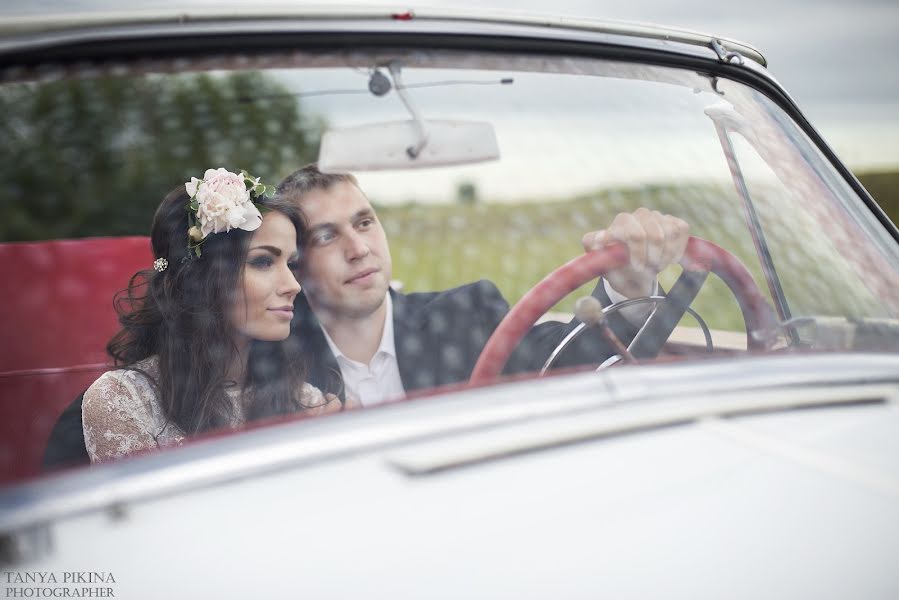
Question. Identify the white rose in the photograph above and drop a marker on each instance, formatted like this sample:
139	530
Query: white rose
252	218
191	186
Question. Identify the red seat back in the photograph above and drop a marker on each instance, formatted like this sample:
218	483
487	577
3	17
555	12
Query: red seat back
57	318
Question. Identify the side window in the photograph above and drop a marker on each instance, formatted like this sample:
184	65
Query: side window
819	268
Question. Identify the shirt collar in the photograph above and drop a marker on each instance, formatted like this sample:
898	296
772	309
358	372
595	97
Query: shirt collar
387	345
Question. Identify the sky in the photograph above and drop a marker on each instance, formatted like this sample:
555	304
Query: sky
839	60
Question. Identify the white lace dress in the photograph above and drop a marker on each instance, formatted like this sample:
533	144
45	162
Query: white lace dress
122	415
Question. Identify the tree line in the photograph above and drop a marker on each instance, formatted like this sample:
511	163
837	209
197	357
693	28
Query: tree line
94	156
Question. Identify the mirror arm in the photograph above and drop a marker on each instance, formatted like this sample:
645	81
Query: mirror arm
414	150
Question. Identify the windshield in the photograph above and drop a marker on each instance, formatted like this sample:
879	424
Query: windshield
91	151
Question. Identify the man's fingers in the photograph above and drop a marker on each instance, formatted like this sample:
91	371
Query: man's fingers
669	251
651	222
594	240
654	240
627	228
677	233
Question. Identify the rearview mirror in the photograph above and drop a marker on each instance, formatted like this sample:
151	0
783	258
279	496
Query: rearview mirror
406	145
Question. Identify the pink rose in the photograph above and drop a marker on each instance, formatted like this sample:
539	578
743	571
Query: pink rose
224	202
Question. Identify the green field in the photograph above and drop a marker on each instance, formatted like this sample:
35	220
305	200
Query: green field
515	245
884	186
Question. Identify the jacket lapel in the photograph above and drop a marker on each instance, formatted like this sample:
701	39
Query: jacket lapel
411	355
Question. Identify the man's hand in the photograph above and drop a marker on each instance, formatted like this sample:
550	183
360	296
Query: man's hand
654	241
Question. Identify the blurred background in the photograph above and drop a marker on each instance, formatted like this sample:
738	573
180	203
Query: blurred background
837	60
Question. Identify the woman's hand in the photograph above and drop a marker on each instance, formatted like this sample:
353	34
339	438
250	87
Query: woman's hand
330	403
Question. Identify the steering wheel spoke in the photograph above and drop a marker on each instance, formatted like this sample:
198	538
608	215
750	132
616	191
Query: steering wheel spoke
617	358
667	314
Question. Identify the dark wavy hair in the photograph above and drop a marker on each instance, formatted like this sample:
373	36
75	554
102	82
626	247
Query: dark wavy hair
180	315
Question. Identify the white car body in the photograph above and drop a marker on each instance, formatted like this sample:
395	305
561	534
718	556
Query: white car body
771	476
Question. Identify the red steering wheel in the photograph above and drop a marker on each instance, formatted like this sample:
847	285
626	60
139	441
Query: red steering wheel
700	255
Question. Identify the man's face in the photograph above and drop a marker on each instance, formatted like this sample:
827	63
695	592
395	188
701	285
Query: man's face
346	268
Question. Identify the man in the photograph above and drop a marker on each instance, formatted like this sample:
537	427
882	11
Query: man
375	344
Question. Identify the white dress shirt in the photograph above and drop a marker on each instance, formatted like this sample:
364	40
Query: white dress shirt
378	381
637	315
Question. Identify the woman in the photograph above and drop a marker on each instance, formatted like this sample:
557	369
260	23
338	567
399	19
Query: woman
204	339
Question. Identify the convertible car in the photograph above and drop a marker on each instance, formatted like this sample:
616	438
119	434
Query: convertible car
744	445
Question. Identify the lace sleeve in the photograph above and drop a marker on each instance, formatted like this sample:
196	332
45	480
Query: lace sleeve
117	420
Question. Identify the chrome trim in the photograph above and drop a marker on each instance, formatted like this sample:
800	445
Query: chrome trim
775	288
432	457
562	345
20	31
612	360
728	56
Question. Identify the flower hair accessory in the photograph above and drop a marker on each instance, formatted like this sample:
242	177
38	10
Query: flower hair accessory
220	202
160	264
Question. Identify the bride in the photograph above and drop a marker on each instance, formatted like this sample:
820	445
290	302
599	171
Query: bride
204	340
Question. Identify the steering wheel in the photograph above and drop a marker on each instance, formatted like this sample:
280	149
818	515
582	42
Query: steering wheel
700	256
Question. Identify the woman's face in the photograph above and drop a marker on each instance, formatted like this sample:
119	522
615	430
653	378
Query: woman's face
263	307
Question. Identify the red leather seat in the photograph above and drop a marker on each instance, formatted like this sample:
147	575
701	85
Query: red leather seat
57	318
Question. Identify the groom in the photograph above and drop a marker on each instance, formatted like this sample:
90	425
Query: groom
362	338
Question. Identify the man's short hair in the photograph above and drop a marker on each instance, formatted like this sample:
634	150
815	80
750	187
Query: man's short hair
309	178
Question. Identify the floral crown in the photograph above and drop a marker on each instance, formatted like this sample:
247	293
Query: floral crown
219	202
